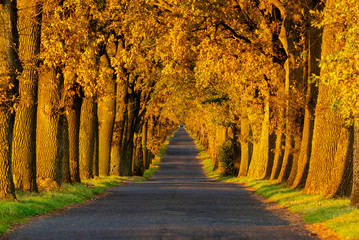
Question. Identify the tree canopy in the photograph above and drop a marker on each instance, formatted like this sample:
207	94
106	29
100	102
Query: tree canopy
245	77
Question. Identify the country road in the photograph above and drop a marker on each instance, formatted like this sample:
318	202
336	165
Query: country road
179	202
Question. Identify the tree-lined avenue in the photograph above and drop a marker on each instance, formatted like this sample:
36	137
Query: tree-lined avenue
179	202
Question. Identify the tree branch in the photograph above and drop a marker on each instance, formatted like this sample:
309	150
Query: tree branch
235	34
278	4
248	21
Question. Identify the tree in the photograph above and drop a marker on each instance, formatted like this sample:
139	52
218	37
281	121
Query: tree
339	74
48	160
73	110
330	170
355	191
8	73
118	130
245	145
77	54
87	137
65	163
106	115
313	37
50	91
24	137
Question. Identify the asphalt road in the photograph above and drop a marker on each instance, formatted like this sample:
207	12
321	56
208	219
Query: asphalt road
180	202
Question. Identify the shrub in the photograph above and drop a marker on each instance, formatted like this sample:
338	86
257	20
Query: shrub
225	157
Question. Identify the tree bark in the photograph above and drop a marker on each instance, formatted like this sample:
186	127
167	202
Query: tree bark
278	155
24	143
139	167
7	189
96	146
330	168
127	146
66	175
118	130
146	154
244	140
10	42
87	137
331	157
294	84
354	199
221	134
314	52
106	116
150	136
48	130
236	150
73	110
262	161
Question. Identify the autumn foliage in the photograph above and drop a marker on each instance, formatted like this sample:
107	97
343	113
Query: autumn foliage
269	87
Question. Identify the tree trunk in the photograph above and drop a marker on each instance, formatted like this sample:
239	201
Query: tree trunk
10	42
24	143
48	130
292	127
244	141
262	161
314	51
87	137
278	155
139	168
106	116
290	157
127	146
118	130
330	168
293	118
280	131
6	181
292	146
290	37
268	146
116	148
331	158
149	144
66	175
354	200
73	111
236	150
221	135
96	146
144	144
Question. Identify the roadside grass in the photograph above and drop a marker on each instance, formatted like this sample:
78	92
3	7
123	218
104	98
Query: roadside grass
30	204
335	213
33	204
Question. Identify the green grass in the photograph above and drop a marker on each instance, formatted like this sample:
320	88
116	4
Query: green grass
32	204
334	213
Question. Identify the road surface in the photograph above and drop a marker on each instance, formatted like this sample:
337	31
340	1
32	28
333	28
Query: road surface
179	202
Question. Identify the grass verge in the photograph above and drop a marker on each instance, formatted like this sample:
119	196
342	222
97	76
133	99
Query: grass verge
34	204
317	211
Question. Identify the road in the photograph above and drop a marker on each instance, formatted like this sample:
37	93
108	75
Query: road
179	202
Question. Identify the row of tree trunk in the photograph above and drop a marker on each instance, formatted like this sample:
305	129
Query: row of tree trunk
311	146
51	130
